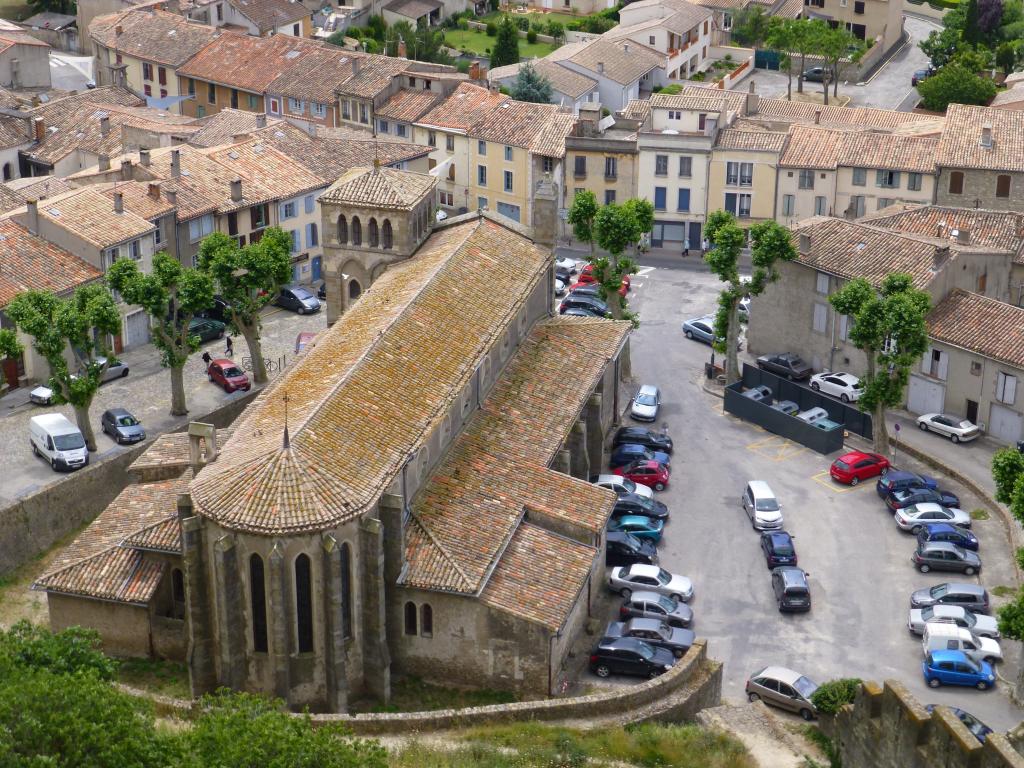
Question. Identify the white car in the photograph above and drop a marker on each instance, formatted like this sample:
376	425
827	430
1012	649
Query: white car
559	287
978	623
812	415
646	403
956	429
916	516
567	263
43	395
845	386
649	578
623	486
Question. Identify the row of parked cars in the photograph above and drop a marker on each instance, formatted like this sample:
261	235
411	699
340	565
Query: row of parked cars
582	298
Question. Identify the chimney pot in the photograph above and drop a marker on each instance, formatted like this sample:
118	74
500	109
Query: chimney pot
118	202
118	30
126	170
805	243
172	196
175	163
38	129
104	163
600	67
963	237
817	117
625	47
154	190
236	190
355	67
402	50
144	158
32	209
986	135
261	121
104	125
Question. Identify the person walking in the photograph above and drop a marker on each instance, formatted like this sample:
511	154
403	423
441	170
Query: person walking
704	247
686	247
229	348
207	360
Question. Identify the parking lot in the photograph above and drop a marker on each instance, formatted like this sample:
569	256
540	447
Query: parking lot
858	561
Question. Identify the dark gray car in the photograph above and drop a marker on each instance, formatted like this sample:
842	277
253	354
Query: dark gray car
973	597
945	556
653	631
298	299
651	605
787	365
122	426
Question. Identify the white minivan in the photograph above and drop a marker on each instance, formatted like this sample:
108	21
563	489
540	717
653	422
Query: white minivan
950	637
58	441
761	506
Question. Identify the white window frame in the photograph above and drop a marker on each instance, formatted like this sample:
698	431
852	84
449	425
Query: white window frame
1006	388
821	283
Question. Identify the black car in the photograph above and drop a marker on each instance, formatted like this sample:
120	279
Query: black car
625	549
902	499
206	328
792	592
898	480
648	438
778	548
978	729
787	365
954	534
590	289
563	274
634	504
321	292
220	311
652	631
591	303
122	426
629	656
297	299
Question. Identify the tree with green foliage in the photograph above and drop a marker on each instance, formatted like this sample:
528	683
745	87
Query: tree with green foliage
941	46
779	37
506	45
806	39
377	27
248	278
955	84
1008	474
581	217
889	327
1006	56
750	26
396	34
9	345
832	695
71	651
1011	625
531	86
171	295
67	7
81	325
834	45
616	228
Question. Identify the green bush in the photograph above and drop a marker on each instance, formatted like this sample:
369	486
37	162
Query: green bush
492	29
463	24
531	36
537	26
462	65
556	29
72	651
831	696
522	22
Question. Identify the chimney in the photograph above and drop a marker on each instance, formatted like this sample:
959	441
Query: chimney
118	202
154	190
986	135
175	163
172	196
625	47
236	190
238	138
963	237
600	67
939	257
940	229
261	121
402	49
126	170
38	129
118	30
805	243
104	163
355	66
32	209
104	125
817	117
201	436
753	100
474	70
144	158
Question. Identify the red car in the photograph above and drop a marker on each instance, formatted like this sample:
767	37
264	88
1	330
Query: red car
851	468
587	277
646	472
226	374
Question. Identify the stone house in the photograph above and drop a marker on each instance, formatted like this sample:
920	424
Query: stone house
569	89
260	18
58	30
874	21
679	30
24	60
744	162
602	160
623	69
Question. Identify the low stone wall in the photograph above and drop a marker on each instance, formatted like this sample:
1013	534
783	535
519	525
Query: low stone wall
36	522
923	8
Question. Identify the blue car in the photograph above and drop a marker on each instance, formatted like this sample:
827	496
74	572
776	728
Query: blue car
629	452
638	525
898	480
701	329
948	532
955	668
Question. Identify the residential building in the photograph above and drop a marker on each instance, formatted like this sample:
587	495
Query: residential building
678	29
623	69
15	136
981	158
141	49
303	93
376	80
600	159
24	60
415	12
261	18
397	116
743	167
569	89
58	30
874	21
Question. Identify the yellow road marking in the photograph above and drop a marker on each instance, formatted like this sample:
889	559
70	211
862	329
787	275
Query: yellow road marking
776	448
826	479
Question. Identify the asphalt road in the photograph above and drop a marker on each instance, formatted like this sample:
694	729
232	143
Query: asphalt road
858	561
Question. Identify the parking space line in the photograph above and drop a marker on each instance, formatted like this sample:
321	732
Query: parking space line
824	478
776	448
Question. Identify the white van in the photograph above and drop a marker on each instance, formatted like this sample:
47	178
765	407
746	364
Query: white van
761	506
950	637
58	441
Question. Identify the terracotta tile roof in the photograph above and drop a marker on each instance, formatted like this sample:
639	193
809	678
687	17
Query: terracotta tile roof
245	62
9	199
274	174
870	149
831	116
539	576
380	188
466	106
164	536
374	75
13	132
314	76
637	109
408	105
377	381
549	141
121	575
497	468
222	127
620	65
10	38
811	147
987	327
413	9
171	449
541	128
564	80
1008	99
89	214
960	146
152	35
138	199
267	15
59	111
678	16
700	99
754	141
39	187
28	262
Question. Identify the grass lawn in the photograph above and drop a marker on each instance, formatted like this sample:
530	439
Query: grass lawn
565	18
167	678
477	42
410	694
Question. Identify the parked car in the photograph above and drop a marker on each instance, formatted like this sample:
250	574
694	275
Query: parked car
207	329
640	526
906	498
743	309
581	301
785	364
970	596
581	312
978	623
978	729
783	688
650	578
587	276
629	452
621	485
220	311
651	605
949	637
623	548
759	393
565	262
303	340
792	592
585	289
43	395
954	668
920	75
852	467
629	656
778	548
700	328
917	516
646	403
657	441
559	287
297	299
634	504
761	505
788	407
954	534
654	632
943	556
122	427
898	480
956	429
845	386
815	74
812	415
643	472
226	374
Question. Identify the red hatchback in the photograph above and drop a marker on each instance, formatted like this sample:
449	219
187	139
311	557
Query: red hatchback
646	472
851	468
225	373
587	277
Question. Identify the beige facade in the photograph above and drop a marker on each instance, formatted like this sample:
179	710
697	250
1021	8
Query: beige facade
603	161
867	20
745	163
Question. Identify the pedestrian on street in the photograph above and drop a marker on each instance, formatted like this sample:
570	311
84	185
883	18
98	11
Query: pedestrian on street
704	247
686	248
229	348
207	360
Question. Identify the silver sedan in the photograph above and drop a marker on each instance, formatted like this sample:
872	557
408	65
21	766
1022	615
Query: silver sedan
916	516
978	623
956	429
649	578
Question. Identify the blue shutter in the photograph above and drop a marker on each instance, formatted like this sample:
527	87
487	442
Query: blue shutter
310	203
296	240
659	198
280	211
684	200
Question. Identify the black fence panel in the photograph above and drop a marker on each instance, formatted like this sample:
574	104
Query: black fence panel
761	413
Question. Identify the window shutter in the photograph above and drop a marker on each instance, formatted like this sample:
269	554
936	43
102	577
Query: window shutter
309	235
282	211
310	203
1009	389
926	361
943	365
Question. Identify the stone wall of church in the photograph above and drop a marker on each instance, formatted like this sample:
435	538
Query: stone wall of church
123	628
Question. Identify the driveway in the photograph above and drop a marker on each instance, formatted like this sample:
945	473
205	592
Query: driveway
857	560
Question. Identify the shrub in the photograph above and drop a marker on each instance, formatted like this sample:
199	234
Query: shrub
462	65
492	29
831	696
537	25
556	29
531	36
697	76
72	651
464	24
522	22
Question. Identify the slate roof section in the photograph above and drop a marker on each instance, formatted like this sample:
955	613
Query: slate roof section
624	61
89	214
28	263
984	326
465	107
244	62
380	188
267	15
362	400
152	35
993	230
961	147
408	105
750	141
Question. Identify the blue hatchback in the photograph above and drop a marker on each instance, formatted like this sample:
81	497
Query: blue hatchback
948	532
640	526
898	480
955	668
630	452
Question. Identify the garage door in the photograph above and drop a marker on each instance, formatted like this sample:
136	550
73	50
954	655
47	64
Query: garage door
1005	424
136	329
925	395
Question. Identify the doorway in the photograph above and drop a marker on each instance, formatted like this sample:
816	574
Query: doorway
972	411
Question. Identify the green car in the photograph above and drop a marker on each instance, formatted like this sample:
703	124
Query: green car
206	329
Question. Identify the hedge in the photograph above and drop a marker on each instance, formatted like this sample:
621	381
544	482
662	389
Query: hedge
831	696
